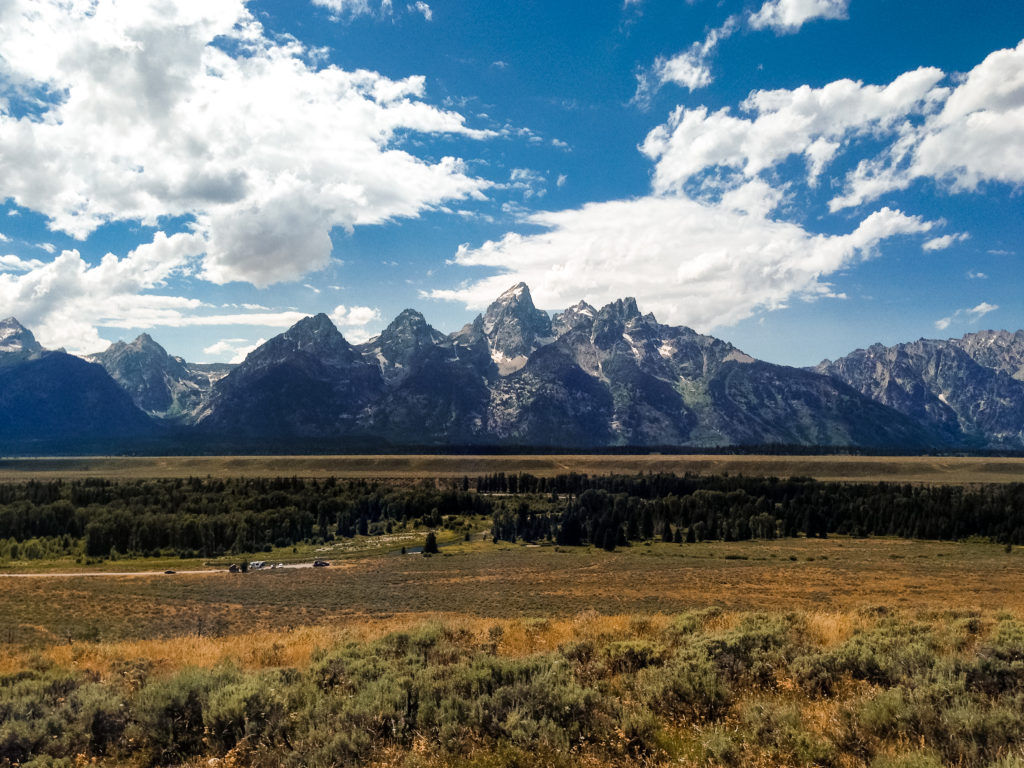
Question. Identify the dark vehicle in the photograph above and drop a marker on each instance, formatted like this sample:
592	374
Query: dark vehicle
168	571
233	568
320	563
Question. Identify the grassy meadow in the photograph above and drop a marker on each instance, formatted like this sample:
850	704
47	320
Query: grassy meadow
836	651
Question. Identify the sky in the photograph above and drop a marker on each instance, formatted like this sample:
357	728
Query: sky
799	177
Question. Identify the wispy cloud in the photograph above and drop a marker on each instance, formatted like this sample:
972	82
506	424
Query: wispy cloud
969	315
422	8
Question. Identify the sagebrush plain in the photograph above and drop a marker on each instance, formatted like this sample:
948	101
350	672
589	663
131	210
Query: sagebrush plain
835	651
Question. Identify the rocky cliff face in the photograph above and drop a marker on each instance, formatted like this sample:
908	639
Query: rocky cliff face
968	389
585	378
162	385
588	378
512	328
306	382
999	350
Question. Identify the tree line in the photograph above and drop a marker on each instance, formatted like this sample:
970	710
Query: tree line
613	510
207	517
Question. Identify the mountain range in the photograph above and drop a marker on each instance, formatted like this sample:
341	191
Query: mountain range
581	379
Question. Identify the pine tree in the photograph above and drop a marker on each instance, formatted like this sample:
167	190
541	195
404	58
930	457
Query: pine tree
609	539
430	546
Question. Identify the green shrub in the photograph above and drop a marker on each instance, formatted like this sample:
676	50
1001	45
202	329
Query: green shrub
169	725
626	656
892	652
689	686
102	715
963	728
757	650
778	732
249	710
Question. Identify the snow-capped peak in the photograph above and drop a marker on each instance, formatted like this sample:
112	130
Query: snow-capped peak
14	337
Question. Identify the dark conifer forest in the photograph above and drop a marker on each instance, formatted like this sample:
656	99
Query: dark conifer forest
208	517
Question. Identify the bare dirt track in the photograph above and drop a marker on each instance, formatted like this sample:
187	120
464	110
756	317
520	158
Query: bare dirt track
912	469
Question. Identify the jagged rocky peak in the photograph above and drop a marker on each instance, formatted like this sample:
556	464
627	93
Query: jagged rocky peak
622	310
613	319
313	337
579	315
402	342
158	383
143	349
514	328
1001	350
410	327
14	337
316	335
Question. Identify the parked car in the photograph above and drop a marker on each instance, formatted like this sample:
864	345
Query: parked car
320	563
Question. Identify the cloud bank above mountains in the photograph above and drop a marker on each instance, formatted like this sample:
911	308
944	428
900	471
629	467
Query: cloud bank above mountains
239	156
709	245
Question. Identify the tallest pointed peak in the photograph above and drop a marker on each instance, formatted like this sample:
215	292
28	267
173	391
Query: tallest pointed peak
517	290
517	294
513	325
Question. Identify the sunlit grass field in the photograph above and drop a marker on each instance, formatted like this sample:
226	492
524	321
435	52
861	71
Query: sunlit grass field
484	580
839	652
836	652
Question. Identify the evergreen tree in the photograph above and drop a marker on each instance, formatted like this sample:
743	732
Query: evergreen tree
430	546
609	539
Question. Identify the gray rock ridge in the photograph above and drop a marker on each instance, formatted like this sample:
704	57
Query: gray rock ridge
162	385
969	389
585	378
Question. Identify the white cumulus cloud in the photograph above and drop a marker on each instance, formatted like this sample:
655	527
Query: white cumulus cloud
186	108
689	262
67	300
977	136
64	300
690	69
709	245
12	263
353	321
813	122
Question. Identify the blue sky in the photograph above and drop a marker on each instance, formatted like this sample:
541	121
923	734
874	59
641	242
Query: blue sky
799	177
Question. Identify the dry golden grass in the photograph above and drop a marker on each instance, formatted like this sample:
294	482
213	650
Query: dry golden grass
918	469
525	599
830	579
828	629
